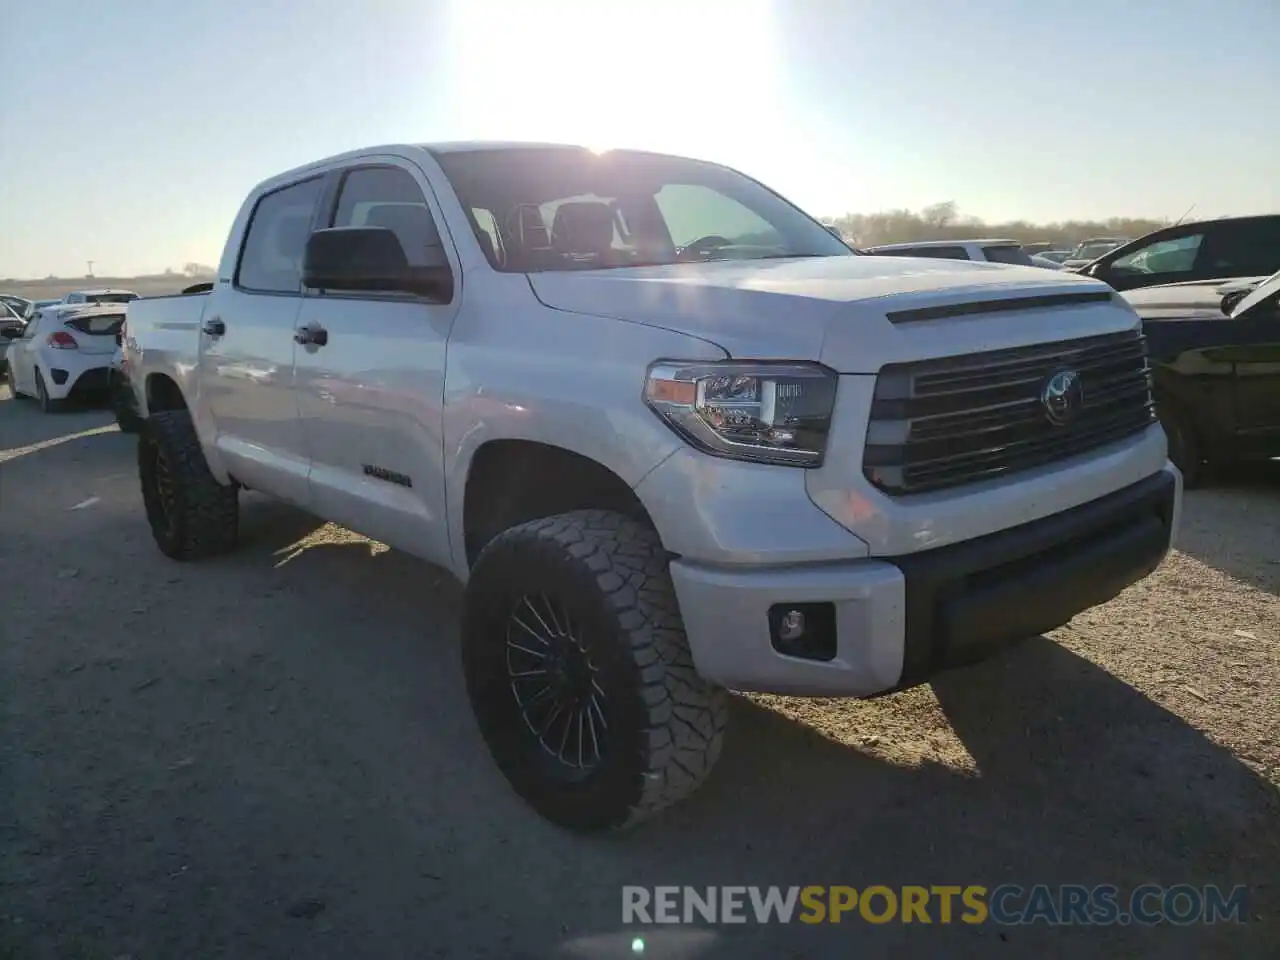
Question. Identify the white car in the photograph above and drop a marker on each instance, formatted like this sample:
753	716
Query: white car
64	350
105	295
982	251
672	435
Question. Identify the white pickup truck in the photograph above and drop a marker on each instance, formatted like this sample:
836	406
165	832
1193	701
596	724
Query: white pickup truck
672	434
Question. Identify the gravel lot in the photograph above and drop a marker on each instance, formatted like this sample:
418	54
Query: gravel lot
271	755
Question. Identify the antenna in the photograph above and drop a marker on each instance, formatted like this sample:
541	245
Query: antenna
1184	216
90	268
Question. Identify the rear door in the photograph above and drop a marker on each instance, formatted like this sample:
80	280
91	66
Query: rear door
371	395
247	348
1242	248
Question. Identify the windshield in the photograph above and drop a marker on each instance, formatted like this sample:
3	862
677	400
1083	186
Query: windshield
562	208
110	297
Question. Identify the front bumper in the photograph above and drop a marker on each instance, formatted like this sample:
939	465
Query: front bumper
898	621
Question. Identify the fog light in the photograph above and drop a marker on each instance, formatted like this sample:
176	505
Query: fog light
791	627
804	630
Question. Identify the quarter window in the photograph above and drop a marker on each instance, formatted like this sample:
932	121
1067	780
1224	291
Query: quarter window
390	197
271	260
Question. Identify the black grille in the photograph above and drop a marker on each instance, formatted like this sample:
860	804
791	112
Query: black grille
943	423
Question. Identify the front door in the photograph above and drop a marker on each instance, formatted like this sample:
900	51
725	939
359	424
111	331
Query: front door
1173	259
247	348
22	354
370	376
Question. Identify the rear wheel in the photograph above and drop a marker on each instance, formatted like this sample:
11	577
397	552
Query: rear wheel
47	403
191	514
580	674
13	382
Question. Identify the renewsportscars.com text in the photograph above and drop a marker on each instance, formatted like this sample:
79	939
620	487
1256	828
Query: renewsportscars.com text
1008	904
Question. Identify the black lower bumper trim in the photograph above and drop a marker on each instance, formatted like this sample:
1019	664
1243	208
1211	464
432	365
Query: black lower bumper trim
966	600
95	380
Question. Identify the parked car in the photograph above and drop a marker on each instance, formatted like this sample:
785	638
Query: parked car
1040	246
1057	256
104	295
10	319
1089	250
63	351
664	458
1227	249
20	305
992	251
1045	263
1217	379
123	402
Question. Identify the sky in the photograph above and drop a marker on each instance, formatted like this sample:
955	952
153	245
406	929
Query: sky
133	131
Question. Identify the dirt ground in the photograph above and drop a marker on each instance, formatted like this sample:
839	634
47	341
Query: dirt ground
271	755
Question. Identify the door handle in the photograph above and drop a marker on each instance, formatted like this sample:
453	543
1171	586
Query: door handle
214	327
314	334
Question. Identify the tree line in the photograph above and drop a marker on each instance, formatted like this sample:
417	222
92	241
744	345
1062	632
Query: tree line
944	221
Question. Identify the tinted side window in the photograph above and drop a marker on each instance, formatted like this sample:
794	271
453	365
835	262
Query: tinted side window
271	259
1007	254
1177	255
390	197
1245	249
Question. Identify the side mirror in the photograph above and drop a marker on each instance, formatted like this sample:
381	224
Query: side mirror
1232	300
371	259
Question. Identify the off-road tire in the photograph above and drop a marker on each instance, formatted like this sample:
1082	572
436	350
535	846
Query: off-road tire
47	403
201	516
1184	446
665	724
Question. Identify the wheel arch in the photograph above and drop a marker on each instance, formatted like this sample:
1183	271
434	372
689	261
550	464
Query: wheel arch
510	481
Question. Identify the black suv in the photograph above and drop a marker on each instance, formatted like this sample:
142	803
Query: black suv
1207	250
1217	379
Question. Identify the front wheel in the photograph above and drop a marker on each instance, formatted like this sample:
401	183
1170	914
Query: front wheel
191	514
580	674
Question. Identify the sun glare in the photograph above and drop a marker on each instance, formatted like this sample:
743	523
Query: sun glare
692	78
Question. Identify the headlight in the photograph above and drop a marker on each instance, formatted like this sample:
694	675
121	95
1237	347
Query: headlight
766	412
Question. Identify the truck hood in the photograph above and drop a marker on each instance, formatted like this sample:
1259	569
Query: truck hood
837	310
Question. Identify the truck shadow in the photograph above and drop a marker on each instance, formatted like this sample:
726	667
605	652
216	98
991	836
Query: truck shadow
1075	777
